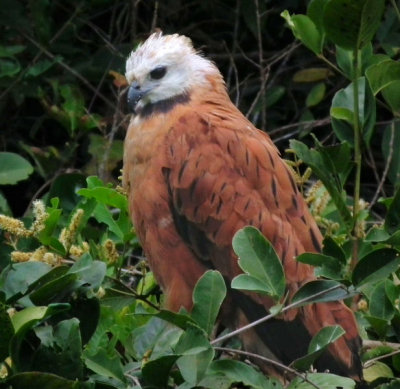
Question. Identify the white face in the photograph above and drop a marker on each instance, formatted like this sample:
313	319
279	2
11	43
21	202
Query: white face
166	66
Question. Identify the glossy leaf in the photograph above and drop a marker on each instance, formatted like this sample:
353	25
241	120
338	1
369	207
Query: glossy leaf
379	304
13	168
305	30
315	12
320	341
106	363
16	279
322	380
259	260
240	372
40	380
34	314
321	291
342	112
352	24
332	249
377	370
384	77
316	94
208	295
60	350
376	266
196	352
324	167
327	266
156	372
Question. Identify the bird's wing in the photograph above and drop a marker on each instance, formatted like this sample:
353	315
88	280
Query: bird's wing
222	174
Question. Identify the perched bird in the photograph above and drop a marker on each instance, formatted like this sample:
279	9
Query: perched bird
196	171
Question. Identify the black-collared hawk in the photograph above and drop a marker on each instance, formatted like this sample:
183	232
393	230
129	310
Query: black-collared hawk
196	171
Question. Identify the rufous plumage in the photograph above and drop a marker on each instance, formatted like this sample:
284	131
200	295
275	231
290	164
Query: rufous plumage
196	171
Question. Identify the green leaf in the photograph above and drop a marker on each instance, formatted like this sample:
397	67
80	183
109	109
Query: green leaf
379	304
305	30
52	289
73	106
156	372
342	112
380	326
324	167
178	319
319	343
344	59
40	67
4	206
258	258
329	267
316	94
321	291
156	335
247	282
332	249
107	196
240	372
13	168
9	51
60	351
32	315
383	74
377	370
15	280
6	332
315	12
384	77
275	93
39	380
196	352
208	295
322	381
375	266
352	24
312	75
9	67
377	234
106	363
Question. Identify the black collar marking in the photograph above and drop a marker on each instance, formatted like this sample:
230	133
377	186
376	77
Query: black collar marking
164	106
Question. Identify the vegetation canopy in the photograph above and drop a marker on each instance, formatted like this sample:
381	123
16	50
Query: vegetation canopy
79	307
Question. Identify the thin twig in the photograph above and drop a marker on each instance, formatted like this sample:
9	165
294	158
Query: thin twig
132	293
270	361
386	170
155	16
69	69
373	360
39	54
263	72
271	315
311	123
367	344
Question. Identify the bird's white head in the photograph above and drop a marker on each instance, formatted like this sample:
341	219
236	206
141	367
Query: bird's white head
164	68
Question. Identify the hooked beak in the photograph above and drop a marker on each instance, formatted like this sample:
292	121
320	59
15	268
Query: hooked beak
134	95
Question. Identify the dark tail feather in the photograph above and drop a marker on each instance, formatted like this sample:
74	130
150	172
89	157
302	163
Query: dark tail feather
286	341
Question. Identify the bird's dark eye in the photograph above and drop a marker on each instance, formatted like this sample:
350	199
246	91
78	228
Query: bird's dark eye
158	72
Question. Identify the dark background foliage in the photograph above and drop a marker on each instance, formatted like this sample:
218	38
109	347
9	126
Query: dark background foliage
63	109
60	108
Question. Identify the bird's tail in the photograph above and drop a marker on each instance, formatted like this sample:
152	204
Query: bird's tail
286	340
